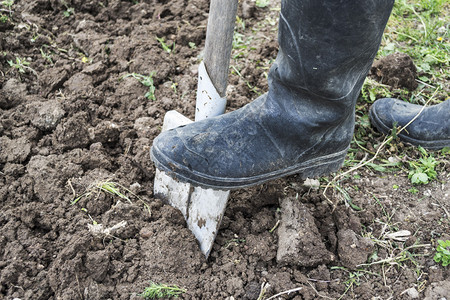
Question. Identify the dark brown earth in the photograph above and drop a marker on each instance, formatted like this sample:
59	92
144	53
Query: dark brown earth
71	120
396	70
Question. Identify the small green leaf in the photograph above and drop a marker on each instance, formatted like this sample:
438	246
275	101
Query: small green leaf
442	253
422	150
445	151
425	67
424	78
377	167
262	3
389	47
419	178
437	257
372	95
413	190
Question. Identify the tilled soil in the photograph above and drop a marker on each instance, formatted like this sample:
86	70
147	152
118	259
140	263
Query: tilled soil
71	116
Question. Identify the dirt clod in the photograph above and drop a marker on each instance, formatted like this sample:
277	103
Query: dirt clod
12	94
14	151
299	241
353	249
438	290
46	114
396	70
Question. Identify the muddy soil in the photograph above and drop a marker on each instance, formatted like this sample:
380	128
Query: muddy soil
72	116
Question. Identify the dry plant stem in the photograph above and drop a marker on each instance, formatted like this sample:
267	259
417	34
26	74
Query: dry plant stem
384	275
443	207
285	292
424	83
318	294
325	281
71	187
421	286
274	227
386	140
264	287
79	286
364	149
421	20
388	260
346	290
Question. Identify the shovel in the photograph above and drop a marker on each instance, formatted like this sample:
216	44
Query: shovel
203	209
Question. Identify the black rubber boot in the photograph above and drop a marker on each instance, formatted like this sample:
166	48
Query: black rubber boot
431	129
305	123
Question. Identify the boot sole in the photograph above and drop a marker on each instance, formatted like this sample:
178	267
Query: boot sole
316	167
432	145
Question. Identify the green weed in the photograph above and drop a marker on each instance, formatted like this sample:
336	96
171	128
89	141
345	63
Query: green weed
347	198
112	188
355	278
373	90
445	151
68	12
8	8
21	65
166	47
443	253
240	23
432	6
159	290
109	187
423	170
46	56
174	87
8	5
252	88
264	287
262	3
90	217
413	190
233	242
240	45
146	81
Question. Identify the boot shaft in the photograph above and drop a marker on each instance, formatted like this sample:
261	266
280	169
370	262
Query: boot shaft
328	46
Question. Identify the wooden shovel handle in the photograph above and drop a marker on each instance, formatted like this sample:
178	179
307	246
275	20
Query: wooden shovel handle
219	40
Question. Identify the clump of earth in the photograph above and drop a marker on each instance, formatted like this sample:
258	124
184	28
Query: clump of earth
396	70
